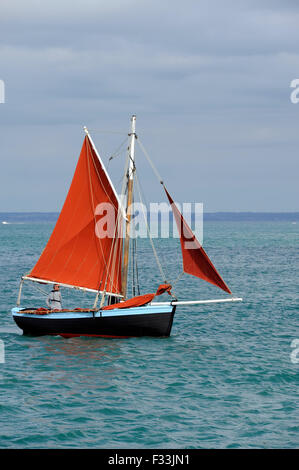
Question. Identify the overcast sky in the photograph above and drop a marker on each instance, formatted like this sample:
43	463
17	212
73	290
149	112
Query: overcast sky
208	80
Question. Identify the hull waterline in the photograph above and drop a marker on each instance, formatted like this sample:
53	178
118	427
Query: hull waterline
118	323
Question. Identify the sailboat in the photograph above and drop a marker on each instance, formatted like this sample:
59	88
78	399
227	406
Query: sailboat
77	256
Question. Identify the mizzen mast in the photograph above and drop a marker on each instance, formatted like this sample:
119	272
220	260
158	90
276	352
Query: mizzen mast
130	176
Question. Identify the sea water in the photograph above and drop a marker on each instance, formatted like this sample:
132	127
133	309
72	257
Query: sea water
227	377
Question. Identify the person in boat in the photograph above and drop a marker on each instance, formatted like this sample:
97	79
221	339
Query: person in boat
54	298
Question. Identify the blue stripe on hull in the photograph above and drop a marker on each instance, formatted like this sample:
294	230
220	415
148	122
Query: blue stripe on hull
148	309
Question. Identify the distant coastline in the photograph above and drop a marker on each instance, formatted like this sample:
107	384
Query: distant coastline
51	217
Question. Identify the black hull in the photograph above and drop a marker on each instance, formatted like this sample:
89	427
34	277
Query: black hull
156	324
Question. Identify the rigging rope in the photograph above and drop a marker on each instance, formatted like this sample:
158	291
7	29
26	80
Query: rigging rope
116	260
118	150
134	267
149	234
178	278
41	290
103	131
150	161
132	234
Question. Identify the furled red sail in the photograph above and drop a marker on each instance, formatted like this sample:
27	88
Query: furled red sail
141	300
74	254
195	259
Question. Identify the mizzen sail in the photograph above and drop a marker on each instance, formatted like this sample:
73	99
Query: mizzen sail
75	254
195	259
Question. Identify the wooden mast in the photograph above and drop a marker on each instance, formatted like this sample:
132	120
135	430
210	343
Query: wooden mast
130	176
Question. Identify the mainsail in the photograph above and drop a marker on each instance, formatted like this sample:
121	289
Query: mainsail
74	254
195	259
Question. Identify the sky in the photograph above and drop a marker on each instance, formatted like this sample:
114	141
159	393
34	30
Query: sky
209	82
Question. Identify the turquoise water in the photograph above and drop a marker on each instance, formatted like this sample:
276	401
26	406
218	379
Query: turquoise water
224	378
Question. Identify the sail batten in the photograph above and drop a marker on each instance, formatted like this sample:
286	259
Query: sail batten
75	255
195	260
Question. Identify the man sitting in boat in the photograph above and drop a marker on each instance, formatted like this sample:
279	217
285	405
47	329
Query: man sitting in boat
54	298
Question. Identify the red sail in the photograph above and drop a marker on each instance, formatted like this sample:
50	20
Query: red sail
74	254
195	259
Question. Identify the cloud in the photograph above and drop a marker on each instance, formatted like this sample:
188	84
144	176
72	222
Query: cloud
211	77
